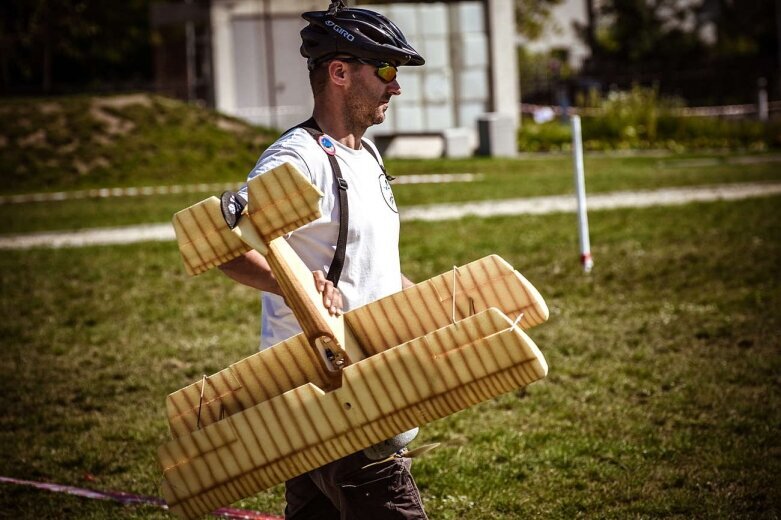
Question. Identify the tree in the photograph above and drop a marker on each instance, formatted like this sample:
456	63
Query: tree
531	16
642	31
708	51
72	42
747	29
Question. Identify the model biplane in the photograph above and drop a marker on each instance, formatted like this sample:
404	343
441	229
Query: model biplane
346	382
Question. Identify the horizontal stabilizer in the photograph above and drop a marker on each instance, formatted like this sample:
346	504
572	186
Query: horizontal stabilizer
205	241
280	201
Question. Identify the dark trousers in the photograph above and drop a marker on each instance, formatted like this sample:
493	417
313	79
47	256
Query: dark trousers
342	490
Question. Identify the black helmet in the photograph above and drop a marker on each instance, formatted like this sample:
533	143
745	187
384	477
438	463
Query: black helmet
357	32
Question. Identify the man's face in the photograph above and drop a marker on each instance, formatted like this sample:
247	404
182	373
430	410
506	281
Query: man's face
368	96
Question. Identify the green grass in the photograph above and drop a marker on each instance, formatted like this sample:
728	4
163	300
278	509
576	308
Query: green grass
74	143
500	179
664	394
91	213
553	175
663	399
77	142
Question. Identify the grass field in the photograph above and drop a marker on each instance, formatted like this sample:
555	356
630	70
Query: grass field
664	393
498	179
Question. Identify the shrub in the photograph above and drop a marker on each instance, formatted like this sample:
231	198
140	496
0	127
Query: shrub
640	119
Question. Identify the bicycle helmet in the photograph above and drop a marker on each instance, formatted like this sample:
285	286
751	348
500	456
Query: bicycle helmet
357	32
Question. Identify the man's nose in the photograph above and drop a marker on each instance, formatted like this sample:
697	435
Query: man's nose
394	89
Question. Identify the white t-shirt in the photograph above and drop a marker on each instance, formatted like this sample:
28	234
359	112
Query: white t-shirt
371	266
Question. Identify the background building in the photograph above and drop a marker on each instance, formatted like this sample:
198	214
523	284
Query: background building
260	76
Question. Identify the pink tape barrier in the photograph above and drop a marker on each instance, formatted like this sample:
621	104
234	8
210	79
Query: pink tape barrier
133	499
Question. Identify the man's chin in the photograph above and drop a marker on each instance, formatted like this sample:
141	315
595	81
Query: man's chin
379	116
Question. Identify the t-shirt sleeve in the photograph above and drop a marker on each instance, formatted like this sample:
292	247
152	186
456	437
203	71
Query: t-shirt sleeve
288	149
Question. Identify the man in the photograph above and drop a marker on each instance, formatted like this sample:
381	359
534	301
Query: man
352	57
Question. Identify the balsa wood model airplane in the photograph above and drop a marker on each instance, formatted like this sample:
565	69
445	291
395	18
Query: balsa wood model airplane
345	383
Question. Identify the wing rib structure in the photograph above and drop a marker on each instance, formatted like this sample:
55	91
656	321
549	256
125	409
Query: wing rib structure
344	383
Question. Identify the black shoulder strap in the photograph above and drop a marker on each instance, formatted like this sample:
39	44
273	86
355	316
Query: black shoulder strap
335	271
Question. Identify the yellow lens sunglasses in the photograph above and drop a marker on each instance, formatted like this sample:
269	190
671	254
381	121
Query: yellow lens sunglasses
385	70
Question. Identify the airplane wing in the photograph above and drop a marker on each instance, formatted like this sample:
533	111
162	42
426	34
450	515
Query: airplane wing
345	383
432	376
378	326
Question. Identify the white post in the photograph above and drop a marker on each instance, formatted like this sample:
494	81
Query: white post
580	190
762	106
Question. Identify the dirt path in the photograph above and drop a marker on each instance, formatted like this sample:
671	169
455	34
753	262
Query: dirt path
435	212
599	201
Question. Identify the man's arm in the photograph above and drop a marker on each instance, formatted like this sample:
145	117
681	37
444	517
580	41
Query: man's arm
406	282
252	269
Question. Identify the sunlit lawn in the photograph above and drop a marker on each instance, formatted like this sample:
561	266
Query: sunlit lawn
663	398
495	179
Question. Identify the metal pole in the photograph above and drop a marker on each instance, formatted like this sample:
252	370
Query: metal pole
580	190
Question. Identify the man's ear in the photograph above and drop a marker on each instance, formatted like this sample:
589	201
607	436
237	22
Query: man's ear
339	73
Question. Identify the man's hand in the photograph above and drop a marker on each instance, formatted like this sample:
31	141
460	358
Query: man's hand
332	296
252	269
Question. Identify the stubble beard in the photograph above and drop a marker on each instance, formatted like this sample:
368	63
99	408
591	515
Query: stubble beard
363	112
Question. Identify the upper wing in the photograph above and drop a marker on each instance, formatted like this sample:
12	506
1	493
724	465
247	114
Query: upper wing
445	299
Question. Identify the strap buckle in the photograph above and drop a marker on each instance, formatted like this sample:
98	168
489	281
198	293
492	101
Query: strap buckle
342	183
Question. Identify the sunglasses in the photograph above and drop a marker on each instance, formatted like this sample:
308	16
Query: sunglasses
385	71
